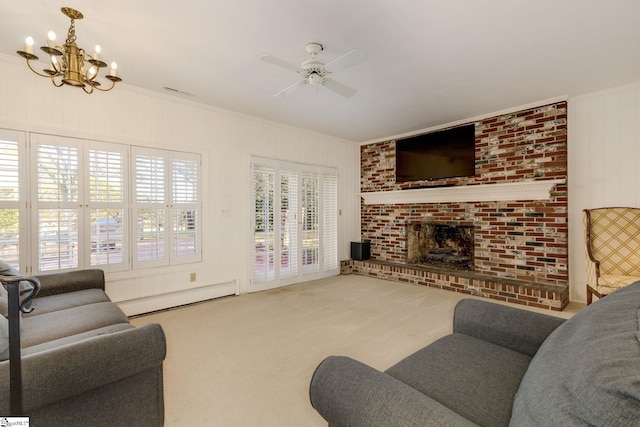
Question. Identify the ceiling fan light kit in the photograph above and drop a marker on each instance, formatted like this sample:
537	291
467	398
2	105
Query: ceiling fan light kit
70	64
315	72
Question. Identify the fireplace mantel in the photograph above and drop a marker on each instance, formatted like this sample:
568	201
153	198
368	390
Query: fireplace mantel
526	190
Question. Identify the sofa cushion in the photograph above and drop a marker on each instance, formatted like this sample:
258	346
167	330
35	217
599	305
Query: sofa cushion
4	301
49	304
472	377
4	338
72	321
116	327
588	371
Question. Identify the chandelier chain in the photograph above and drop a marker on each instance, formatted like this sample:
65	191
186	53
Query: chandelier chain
71	34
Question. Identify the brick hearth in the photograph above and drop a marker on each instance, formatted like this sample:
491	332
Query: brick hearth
553	297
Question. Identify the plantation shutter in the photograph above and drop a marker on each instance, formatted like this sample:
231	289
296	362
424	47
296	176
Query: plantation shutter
310	222
185	208
57	203
107	196
330	222
264	239
289	229
150	200
12	212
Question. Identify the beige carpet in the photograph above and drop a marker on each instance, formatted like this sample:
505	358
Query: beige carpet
247	360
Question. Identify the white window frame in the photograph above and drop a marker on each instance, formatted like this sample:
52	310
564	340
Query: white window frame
167	205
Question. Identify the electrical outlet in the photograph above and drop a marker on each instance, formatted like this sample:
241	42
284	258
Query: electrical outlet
192	277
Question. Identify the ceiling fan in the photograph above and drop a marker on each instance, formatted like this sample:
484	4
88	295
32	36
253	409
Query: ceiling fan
315	72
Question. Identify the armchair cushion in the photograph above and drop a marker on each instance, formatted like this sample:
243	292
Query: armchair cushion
482	392
612	282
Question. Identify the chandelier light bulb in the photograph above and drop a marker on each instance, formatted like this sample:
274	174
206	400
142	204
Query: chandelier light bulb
114	69
92	72
98	51
28	47
51	39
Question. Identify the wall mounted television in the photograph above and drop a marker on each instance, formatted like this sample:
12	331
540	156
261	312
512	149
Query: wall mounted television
447	153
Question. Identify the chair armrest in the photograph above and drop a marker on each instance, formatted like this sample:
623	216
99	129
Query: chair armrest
593	270
70	370
593	265
349	393
71	281
519	330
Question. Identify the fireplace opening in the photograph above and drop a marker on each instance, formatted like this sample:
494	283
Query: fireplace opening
443	246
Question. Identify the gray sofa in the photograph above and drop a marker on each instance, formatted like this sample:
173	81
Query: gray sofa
500	366
83	363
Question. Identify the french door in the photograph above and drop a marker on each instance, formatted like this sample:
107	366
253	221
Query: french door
294	222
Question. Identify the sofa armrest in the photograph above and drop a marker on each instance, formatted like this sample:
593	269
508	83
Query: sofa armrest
349	393
519	330
70	370
71	281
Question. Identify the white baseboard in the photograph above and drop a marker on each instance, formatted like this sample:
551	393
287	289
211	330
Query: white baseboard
175	299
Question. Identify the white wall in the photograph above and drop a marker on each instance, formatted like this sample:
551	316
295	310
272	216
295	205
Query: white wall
226	140
604	154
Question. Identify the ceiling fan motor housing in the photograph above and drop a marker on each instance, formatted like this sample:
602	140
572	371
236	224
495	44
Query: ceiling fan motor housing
313	71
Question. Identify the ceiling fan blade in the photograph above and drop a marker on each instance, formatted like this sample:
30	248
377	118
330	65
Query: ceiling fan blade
289	89
279	62
339	88
347	60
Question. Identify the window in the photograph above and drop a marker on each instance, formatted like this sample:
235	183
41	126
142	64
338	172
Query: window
107	196
87	206
11	194
166	207
58	203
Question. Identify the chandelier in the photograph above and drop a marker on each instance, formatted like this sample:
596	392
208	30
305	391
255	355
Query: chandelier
69	64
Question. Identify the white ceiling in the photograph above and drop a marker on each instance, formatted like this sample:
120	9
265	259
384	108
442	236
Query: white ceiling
429	61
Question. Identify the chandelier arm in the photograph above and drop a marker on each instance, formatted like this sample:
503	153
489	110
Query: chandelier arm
113	83
84	88
39	73
54	82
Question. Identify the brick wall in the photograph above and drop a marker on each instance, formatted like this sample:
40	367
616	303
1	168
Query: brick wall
524	240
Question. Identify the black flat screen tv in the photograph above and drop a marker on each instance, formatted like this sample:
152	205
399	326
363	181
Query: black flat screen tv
443	154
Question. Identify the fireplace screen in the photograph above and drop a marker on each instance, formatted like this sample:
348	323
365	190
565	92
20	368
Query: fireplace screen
443	246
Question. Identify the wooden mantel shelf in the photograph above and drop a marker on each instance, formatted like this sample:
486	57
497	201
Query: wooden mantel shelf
511	191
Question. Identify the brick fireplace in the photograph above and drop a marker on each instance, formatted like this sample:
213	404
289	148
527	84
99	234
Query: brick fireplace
520	250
